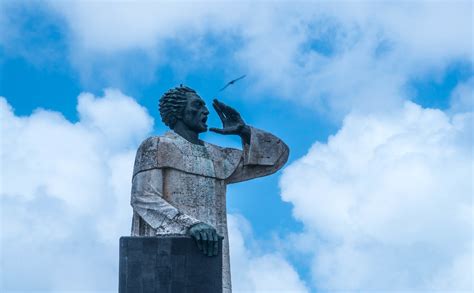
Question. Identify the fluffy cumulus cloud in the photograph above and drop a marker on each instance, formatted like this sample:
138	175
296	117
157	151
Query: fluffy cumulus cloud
387	202
462	97
65	192
257	271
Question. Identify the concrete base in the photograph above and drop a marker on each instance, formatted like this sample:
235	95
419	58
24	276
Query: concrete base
167	264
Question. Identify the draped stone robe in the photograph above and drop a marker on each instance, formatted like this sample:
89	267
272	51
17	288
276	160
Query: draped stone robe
177	184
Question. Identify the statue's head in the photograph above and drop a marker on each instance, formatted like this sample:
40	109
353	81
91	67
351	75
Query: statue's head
183	104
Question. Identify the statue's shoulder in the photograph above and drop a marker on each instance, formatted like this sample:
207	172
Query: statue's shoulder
155	143
155	152
149	144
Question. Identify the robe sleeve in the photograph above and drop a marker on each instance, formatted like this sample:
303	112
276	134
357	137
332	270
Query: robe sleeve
148	202
265	155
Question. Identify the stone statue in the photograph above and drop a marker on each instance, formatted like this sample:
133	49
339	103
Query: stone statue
179	181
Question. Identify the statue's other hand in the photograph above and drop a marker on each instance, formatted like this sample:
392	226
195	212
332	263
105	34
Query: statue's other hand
206	238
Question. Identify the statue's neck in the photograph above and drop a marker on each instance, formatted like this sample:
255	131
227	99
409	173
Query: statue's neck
188	134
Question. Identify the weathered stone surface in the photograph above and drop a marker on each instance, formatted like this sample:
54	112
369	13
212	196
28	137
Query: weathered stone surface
177	184
167	264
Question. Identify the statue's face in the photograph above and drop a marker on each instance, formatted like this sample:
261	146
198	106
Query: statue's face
195	114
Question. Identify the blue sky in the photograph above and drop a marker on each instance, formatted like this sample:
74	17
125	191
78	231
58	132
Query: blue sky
348	86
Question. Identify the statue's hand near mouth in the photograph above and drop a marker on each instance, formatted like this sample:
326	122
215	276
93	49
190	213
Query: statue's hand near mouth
232	123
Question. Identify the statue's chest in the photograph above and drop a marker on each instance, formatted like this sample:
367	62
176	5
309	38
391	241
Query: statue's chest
194	176
197	160
194	182
199	196
193	159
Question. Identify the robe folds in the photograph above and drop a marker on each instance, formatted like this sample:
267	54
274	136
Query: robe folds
177	184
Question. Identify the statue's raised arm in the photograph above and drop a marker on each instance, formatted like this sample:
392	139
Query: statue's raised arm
263	153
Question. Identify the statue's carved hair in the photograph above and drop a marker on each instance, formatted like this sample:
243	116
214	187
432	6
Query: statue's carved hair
172	104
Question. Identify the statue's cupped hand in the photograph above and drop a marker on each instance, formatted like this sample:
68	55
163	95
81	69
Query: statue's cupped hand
232	123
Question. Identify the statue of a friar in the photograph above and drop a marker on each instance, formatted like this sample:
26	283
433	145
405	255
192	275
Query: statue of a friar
179	181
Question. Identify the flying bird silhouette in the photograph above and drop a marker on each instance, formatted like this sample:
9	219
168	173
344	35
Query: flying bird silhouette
232	82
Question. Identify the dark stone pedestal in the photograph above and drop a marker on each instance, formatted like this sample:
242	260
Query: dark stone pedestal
167	264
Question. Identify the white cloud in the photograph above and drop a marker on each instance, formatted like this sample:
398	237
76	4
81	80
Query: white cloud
462	97
332	56
254	270
387	202
426	29
118	123
338	57
111	26
421	27
65	192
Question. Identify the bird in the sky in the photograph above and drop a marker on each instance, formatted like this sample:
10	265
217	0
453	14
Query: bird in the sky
232	82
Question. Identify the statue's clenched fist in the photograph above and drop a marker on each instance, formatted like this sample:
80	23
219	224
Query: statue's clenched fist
206	238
